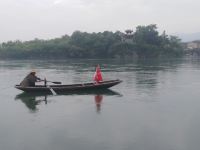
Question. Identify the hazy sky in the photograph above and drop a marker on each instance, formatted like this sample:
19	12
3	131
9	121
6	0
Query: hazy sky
46	19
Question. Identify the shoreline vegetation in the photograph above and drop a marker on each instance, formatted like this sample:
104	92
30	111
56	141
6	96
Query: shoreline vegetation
145	42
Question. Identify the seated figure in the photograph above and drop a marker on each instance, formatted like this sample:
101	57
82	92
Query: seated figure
30	79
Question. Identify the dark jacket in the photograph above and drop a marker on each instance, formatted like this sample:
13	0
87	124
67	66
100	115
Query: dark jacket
30	80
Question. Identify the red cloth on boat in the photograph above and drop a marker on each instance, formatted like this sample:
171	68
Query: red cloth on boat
97	75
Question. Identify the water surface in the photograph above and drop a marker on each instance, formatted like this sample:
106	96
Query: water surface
156	107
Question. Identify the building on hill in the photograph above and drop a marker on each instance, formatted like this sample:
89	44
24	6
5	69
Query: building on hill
192	48
193	45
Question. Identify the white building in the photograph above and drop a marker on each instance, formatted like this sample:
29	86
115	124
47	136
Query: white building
193	45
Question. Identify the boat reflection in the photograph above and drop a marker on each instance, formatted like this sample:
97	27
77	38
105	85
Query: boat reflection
31	100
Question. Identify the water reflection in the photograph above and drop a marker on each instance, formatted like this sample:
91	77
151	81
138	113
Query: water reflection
149	74
32	100
98	100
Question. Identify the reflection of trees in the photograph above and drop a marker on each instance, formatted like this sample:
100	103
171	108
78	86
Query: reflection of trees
148	72
146	80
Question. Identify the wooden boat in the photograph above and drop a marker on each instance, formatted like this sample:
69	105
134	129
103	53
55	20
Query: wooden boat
70	87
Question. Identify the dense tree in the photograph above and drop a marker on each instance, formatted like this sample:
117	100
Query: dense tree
145	42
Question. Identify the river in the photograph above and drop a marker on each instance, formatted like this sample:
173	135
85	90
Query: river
156	107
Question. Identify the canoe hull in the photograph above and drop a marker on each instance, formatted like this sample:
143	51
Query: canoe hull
72	87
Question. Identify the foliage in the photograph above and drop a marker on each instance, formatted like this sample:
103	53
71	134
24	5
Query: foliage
145	42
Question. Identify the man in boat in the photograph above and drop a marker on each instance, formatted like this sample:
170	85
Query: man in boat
30	79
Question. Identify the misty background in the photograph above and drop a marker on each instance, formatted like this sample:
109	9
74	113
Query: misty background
47	19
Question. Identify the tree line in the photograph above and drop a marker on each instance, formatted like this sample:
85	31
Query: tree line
145	42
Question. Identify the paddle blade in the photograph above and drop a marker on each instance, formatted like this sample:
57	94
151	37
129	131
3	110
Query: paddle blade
56	82
53	92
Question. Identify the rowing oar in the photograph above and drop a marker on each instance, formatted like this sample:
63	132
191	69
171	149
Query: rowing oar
55	82
50	88
52	91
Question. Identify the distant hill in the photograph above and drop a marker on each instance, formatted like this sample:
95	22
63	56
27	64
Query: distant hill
189	36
